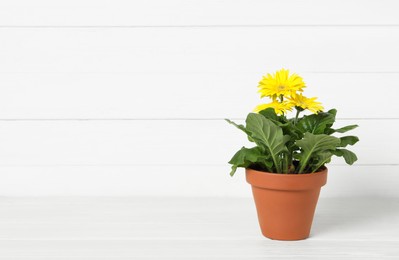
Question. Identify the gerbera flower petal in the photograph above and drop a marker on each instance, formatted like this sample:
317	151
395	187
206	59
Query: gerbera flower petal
279	107
281	83
303	102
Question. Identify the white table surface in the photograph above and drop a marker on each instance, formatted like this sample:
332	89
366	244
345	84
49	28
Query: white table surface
189	228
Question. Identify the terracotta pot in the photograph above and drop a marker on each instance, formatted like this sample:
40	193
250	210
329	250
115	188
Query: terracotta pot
286	202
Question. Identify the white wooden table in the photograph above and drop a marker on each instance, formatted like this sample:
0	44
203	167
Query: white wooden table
189	228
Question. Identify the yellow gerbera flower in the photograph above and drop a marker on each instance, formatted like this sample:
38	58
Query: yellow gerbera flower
279	107
303	102
281	83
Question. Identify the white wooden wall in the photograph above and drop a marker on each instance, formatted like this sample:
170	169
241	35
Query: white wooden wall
101	97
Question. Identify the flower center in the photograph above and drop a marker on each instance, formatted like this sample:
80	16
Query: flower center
281	87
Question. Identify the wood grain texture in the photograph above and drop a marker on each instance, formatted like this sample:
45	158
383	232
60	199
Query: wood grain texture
159	142
197	13
178	180
93	92
159	228
198	50
181	95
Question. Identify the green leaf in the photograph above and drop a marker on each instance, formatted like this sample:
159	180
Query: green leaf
247	156
329	130
348	140
270	114
345	129
349	156
332	112
291	130
241	127
322	158
292	133
316	123
312	146
268	136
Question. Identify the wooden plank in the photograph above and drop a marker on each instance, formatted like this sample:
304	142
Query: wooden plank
199	50
186	249
179	180
199	13
181	95
159	142
182	228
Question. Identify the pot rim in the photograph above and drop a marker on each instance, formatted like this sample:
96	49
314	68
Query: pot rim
276	181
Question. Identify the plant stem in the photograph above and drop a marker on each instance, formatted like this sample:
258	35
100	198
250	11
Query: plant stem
296	116
278	168
285	163
303	163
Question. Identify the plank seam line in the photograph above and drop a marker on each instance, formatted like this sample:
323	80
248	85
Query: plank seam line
188	26
188	73
166	119
194	239
171	165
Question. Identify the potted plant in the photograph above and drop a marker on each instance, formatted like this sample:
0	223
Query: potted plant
286	167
